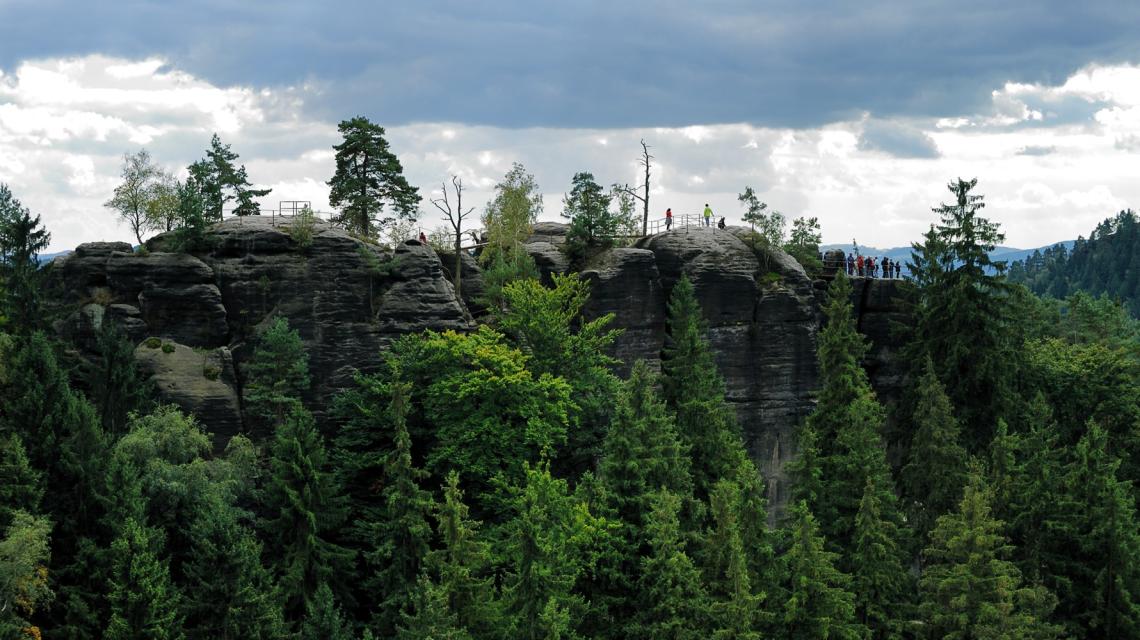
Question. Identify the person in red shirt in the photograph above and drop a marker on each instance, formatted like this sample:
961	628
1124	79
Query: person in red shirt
423	238
859	265
668	219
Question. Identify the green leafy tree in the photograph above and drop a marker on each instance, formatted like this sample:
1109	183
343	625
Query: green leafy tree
135	191
592	224
21	486
278	373
24	587
694	390
507	221
671	600
935	471
817	603
369	178
803	243
144	602
548	325
402	535
962	318
304	506
22	238
161	206
969	589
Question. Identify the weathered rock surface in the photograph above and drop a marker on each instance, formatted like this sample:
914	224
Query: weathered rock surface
626	282
346	298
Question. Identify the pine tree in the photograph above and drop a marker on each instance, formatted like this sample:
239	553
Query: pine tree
1105	595
935	471
818	604
115	382
592	224
220	182
763	569
22	238
144	602
806	469
402	535
671	599
462	564
429	616
969	589
642	451
278	373
324	620
21	486
694	390
229	594
368	178
735	608
879	579
305	507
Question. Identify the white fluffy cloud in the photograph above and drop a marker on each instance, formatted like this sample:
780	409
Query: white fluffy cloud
1052	160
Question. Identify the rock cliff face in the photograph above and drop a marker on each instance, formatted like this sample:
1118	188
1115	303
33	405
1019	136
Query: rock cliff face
349	300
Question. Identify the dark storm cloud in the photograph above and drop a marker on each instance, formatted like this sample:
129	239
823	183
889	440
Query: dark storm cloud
599	64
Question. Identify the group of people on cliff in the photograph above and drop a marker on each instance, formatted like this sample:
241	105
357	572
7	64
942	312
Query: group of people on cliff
708	216
869	267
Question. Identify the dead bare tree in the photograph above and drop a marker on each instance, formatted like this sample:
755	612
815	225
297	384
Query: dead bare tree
644	161
455	218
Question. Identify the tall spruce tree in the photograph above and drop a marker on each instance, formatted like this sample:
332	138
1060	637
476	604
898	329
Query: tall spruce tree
671	602
369	178
694	390
817	603
305	508
879	578
1104	598
429	616
963	319
117	386
463	564
935	471
402	534
734	606
324	620
220	182
22	238
642	451
277	374
969	589
144	602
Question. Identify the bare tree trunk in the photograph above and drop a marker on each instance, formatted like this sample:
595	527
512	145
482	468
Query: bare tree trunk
455	218
645	201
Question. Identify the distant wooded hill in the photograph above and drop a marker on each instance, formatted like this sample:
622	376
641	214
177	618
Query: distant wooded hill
1106	263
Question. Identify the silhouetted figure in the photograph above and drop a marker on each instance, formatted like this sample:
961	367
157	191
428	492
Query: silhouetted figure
423	238
850	264
720	223
886	267
898	269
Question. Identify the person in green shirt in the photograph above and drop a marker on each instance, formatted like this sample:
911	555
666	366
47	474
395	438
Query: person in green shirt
708	215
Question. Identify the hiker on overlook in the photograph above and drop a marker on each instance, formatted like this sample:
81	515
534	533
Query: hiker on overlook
708	215
898	270
423	238
871	267
720	223
668	218
886	267
850	264
859	265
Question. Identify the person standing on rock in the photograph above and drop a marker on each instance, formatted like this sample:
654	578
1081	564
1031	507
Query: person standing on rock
850	264
708	215
898	270
859	265
423	238
668	219
886	267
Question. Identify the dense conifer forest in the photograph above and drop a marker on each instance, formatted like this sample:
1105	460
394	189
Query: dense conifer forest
505	483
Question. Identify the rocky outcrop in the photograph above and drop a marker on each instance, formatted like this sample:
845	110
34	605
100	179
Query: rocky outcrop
347	299
626	283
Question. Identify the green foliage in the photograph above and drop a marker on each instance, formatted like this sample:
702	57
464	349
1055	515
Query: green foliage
144	602
817	602
277	374
963	316
304	506
969	589
516	205
24	588
770	223
139	175
369	178
302	226
220	182
735	606
671	600
547	325
153	342
21	486
191	215
401	535
803	244
22	238
935	471
694	390
430	617
592	224
168	347
324	620
879	579
117	386
501	268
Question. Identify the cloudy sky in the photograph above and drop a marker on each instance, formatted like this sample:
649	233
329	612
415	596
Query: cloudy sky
858	113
